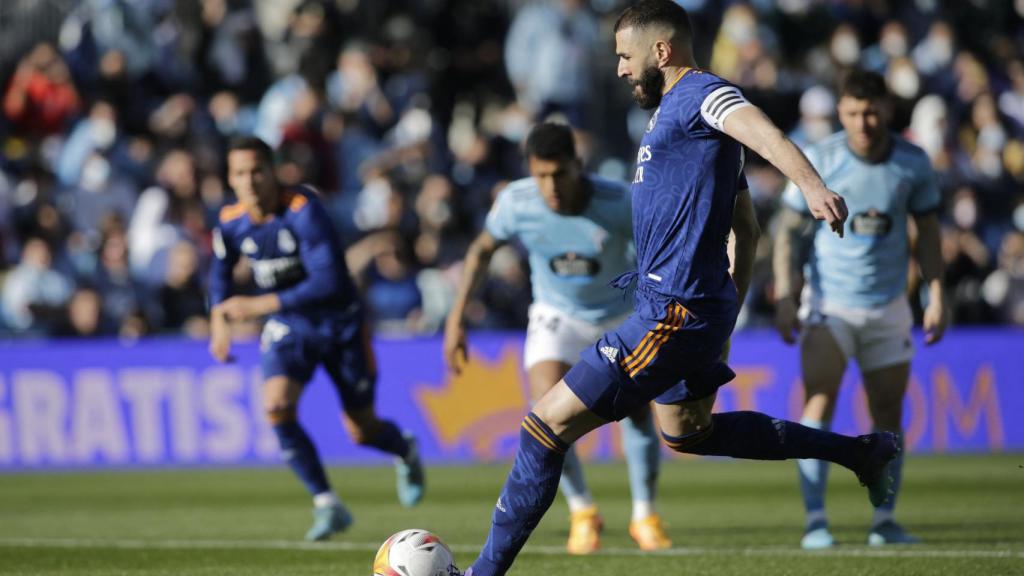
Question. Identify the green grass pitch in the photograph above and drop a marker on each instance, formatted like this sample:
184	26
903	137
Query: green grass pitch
725	517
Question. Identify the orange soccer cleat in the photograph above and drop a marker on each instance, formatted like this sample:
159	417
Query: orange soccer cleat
649	533
584	531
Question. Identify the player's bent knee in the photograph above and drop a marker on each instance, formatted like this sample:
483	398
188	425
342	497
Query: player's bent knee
566	415
362	428
281	414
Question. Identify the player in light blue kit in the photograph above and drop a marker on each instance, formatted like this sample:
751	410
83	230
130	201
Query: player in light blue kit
578	231
854	302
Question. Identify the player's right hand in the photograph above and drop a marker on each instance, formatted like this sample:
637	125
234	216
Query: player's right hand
786	321
455	353
828	206
220	348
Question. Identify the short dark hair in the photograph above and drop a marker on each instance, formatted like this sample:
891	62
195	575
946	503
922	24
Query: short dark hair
651	12
551	141
251	143
863	85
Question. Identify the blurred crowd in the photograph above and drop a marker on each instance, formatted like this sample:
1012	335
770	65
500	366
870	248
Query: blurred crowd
408	116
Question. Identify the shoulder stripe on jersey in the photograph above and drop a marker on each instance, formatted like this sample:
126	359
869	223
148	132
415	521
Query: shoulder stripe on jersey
720	104
731	107
232	212
723	101
296	202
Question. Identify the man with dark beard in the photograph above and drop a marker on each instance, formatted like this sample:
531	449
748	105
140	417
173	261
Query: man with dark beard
687	183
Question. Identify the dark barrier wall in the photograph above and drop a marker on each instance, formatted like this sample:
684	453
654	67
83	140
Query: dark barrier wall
165	402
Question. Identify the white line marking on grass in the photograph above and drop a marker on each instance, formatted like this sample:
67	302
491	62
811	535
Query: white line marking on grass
842	552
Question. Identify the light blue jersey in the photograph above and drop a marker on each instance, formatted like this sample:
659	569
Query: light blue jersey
572	258
867	268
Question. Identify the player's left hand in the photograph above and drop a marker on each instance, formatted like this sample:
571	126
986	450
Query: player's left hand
241	308
935	322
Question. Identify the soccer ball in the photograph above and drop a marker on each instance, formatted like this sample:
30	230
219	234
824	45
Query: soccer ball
414	553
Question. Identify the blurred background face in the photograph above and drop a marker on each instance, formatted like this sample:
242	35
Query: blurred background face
182	264
84	312
36	254
251	177
865	122
559	182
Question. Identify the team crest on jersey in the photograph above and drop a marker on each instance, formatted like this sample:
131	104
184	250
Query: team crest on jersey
249	246
653	120
871	223
571	264
285	241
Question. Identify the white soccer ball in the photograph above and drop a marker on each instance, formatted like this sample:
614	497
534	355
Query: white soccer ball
414	553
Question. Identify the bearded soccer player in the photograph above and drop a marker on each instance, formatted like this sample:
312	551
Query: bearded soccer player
314	317
687	179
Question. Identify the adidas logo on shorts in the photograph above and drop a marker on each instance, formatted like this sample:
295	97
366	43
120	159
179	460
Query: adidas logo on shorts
610	353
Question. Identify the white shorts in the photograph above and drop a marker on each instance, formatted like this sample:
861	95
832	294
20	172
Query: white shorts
555	335
875	337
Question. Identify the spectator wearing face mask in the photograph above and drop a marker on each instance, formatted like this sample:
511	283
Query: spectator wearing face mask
100	191
966	258
817	117
892	44
1003	289
97	132
550	56
933	57
34	292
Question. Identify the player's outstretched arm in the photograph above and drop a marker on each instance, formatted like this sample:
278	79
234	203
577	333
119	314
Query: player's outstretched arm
785	253
750	127
929	259
474	268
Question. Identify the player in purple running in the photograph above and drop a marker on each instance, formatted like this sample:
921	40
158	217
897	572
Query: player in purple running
314	317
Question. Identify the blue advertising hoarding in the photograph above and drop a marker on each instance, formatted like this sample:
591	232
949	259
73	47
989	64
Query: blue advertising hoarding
164	402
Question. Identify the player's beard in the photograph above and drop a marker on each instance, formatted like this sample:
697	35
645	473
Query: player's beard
651	83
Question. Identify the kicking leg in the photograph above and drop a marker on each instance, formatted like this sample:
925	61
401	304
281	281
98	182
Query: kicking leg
585	523
557	420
